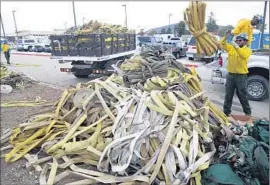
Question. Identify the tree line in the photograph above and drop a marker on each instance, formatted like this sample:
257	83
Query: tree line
211	24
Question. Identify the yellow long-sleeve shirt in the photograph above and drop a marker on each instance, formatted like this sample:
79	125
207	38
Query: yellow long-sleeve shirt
5	48
244	26
237	57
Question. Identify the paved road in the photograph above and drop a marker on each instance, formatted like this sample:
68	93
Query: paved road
48	72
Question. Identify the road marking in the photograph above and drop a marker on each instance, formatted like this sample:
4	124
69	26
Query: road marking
191	65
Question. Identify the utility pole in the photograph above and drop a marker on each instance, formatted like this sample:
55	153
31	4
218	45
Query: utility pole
74	14
3	26
16	30
170	20
125	14
65	25
262	29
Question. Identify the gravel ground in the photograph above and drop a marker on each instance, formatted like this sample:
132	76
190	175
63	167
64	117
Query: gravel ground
16	173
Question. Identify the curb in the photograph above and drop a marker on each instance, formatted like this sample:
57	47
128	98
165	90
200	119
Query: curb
32	54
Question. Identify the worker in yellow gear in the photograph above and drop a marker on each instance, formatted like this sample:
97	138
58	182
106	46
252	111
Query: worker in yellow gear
5	49
236	79
245	26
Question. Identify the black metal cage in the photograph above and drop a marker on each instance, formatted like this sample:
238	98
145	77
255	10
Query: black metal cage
92	45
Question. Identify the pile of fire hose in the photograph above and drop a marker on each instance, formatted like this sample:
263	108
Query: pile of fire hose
98	27
129	135
15	80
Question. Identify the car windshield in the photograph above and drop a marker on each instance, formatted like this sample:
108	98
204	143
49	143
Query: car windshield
144	39
29	41
192	41
19	41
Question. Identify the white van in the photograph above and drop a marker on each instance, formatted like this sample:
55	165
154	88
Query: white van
25	44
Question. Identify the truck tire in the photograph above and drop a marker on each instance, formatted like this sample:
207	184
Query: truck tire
177	55
29	48
190	58
81	76
257	88
208	60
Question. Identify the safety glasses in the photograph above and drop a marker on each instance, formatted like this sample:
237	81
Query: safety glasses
240	40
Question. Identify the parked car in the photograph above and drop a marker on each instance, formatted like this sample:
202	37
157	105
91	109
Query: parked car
37	48
149	41
176	38
258	76
41	47
192	51
177	47
47	48
25	44
12	46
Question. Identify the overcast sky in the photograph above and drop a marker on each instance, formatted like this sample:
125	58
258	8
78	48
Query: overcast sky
46	16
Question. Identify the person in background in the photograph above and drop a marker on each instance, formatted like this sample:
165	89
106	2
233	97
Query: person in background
236	79
6	50
245	26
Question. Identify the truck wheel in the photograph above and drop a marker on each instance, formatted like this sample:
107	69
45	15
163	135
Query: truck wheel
29	48
81	76
208	60
190	58
257	88
177	55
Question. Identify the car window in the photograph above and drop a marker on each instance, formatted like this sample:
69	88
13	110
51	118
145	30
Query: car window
192	41
19	41
178	44
175	38
153	39
144	39
29	41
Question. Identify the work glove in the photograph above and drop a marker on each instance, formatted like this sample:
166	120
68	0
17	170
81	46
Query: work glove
235	45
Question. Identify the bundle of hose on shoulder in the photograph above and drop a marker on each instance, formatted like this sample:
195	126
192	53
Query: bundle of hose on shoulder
194	17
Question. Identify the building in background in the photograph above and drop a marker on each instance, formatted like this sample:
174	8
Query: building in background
255	44
39	36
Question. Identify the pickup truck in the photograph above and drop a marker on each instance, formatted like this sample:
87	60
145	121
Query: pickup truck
92	53
258	76
178	49
149	41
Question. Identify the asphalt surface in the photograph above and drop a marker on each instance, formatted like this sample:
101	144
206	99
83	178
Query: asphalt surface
48	72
